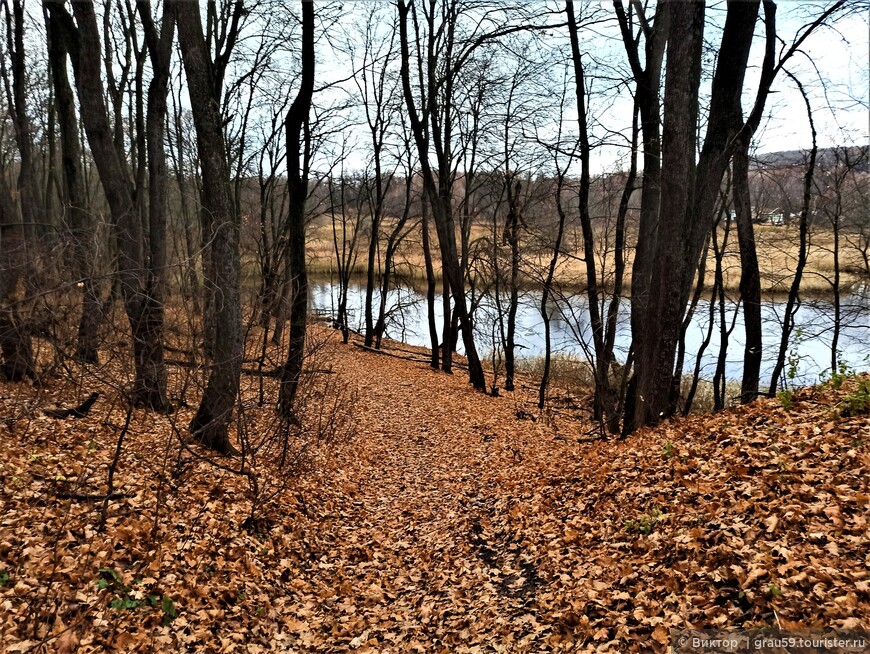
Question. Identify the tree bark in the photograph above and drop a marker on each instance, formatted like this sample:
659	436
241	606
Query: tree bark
83	44
792	304
16	351
647	79
393	240
604	400
689	192
152	316
30	205
297	182
17	227
750	278
430	286
513	237
220	227
77	217
438	186
664	311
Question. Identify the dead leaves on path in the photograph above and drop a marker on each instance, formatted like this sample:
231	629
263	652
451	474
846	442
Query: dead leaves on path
447	525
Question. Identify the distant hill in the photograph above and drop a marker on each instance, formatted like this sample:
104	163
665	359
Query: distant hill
825	157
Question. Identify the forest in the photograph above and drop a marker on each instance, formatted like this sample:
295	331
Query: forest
432	325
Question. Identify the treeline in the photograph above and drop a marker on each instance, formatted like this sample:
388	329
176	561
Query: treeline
189	162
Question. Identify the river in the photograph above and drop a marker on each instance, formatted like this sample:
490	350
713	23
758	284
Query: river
810	345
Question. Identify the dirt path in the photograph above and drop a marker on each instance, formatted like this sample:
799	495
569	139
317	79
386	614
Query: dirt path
430	460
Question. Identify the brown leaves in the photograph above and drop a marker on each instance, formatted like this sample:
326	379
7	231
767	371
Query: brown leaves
448	525
67	643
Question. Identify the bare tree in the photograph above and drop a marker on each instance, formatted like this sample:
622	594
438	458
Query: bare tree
74	198
19	218
655	359
82	40
793	301
297	182
220	227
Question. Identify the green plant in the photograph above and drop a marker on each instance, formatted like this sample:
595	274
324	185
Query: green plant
843	372
669	450
857	401
126	602
774	590
111	580
4	578
786	399
794	358
170	612
646	523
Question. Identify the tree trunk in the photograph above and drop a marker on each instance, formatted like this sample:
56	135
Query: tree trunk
16	351
220	227
793	302
83	43
374	238
297	182
430	286
724	332
77	217
513	234
548	288
689	192
750	278
438	187
393	241
604	404
664	311
153	391
446	324
17	224
647	97
30	205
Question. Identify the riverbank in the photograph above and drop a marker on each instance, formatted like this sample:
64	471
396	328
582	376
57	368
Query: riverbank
810	346
776	246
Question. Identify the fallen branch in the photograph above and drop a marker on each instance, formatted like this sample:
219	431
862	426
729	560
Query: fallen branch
390	354
93	497
76	412
253	372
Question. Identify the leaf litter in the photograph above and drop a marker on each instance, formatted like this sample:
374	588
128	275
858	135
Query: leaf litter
448	523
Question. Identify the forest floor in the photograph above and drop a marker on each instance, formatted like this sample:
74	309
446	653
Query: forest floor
448	521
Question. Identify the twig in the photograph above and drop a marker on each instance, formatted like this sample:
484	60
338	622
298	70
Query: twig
114	464
92	497
76	412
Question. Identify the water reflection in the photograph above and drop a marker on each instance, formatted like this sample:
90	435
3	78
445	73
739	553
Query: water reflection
811	344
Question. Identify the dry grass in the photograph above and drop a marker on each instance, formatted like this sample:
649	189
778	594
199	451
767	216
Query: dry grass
777	255
573	375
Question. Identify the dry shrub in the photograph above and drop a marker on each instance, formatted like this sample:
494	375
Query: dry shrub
703	401
273	451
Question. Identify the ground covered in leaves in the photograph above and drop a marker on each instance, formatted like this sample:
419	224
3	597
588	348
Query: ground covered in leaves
450	521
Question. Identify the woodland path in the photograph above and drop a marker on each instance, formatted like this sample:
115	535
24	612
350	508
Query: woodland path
452	522
430	459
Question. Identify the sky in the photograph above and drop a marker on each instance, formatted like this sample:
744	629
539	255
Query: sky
832	65
834	70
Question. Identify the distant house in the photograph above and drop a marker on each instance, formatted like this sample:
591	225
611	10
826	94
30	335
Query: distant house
769	216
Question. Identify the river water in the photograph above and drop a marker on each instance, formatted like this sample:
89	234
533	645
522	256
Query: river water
810	345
